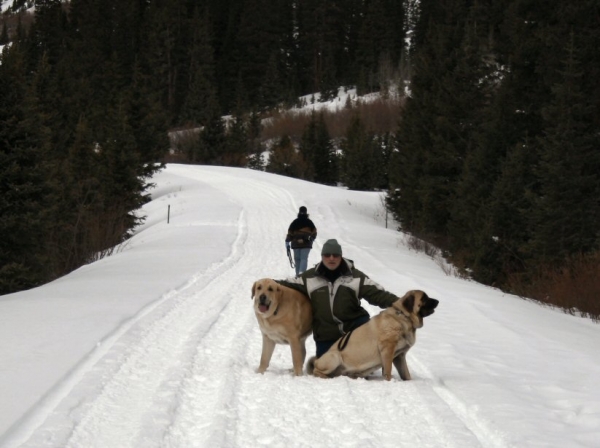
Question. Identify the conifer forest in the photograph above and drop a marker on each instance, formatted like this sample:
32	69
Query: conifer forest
494	157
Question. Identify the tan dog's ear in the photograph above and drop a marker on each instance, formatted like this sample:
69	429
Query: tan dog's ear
408	302
253	288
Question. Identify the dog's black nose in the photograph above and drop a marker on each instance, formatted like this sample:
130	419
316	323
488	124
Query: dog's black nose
262	298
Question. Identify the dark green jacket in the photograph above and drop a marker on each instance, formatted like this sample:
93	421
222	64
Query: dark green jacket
336	306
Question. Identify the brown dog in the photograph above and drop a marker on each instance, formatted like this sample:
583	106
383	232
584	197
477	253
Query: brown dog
285	317
384	340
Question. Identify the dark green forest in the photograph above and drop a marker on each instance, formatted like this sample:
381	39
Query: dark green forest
495	157
498	152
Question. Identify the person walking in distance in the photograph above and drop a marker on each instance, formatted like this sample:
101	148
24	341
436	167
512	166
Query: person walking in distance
300	236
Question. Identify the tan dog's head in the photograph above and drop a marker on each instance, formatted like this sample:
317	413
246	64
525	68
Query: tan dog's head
417	305
266	293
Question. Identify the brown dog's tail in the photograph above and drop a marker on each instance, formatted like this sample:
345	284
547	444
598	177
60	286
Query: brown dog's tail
310	365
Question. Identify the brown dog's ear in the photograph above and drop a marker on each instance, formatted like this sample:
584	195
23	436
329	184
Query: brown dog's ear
253	288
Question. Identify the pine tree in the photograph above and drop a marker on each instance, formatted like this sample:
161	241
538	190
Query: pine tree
255	158
165	52
383	148
201	73
4	35
329	80
511	133
566	212
47	34
381	37
509	209
271	92
325	160
148	122
307	146
322	38
212	137
237	146
425	156
78	203
257	40
121	177
23	177
359	159
286	160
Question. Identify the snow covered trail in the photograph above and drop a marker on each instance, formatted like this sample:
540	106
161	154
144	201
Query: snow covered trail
179	371
161	382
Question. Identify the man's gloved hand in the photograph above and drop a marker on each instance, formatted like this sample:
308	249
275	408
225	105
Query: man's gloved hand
287	245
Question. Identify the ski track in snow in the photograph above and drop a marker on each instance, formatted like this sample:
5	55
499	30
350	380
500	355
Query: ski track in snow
158	381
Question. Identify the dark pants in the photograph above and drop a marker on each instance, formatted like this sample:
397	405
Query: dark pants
323	346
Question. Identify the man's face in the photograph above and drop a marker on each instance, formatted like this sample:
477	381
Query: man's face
331	261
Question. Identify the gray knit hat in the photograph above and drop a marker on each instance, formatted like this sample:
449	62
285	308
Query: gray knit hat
331	247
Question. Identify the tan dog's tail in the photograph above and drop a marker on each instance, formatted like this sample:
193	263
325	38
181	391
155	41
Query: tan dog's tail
344	341
310	365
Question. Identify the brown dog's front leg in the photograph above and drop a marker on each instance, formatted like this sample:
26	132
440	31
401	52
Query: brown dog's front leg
387	356
402	367
298	355
268	347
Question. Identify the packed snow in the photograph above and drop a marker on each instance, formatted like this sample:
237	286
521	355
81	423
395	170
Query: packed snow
157	345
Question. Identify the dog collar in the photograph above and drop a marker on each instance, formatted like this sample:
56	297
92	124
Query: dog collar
398	312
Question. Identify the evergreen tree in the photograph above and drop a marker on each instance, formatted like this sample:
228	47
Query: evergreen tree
307	147
47	34
255	158
201	72
381	36
566	212
425	154
23	177
329	80
509	209
326	161
212	137
78	202
165	36
286	160
271	92
148	122
383	148
359	157
322	38
121	177
237	146
257	39
316	147
4	35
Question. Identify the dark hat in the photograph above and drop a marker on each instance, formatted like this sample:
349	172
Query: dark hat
331	247
303	210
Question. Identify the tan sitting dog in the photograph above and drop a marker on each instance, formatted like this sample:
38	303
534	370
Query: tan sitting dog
285	317
383	340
